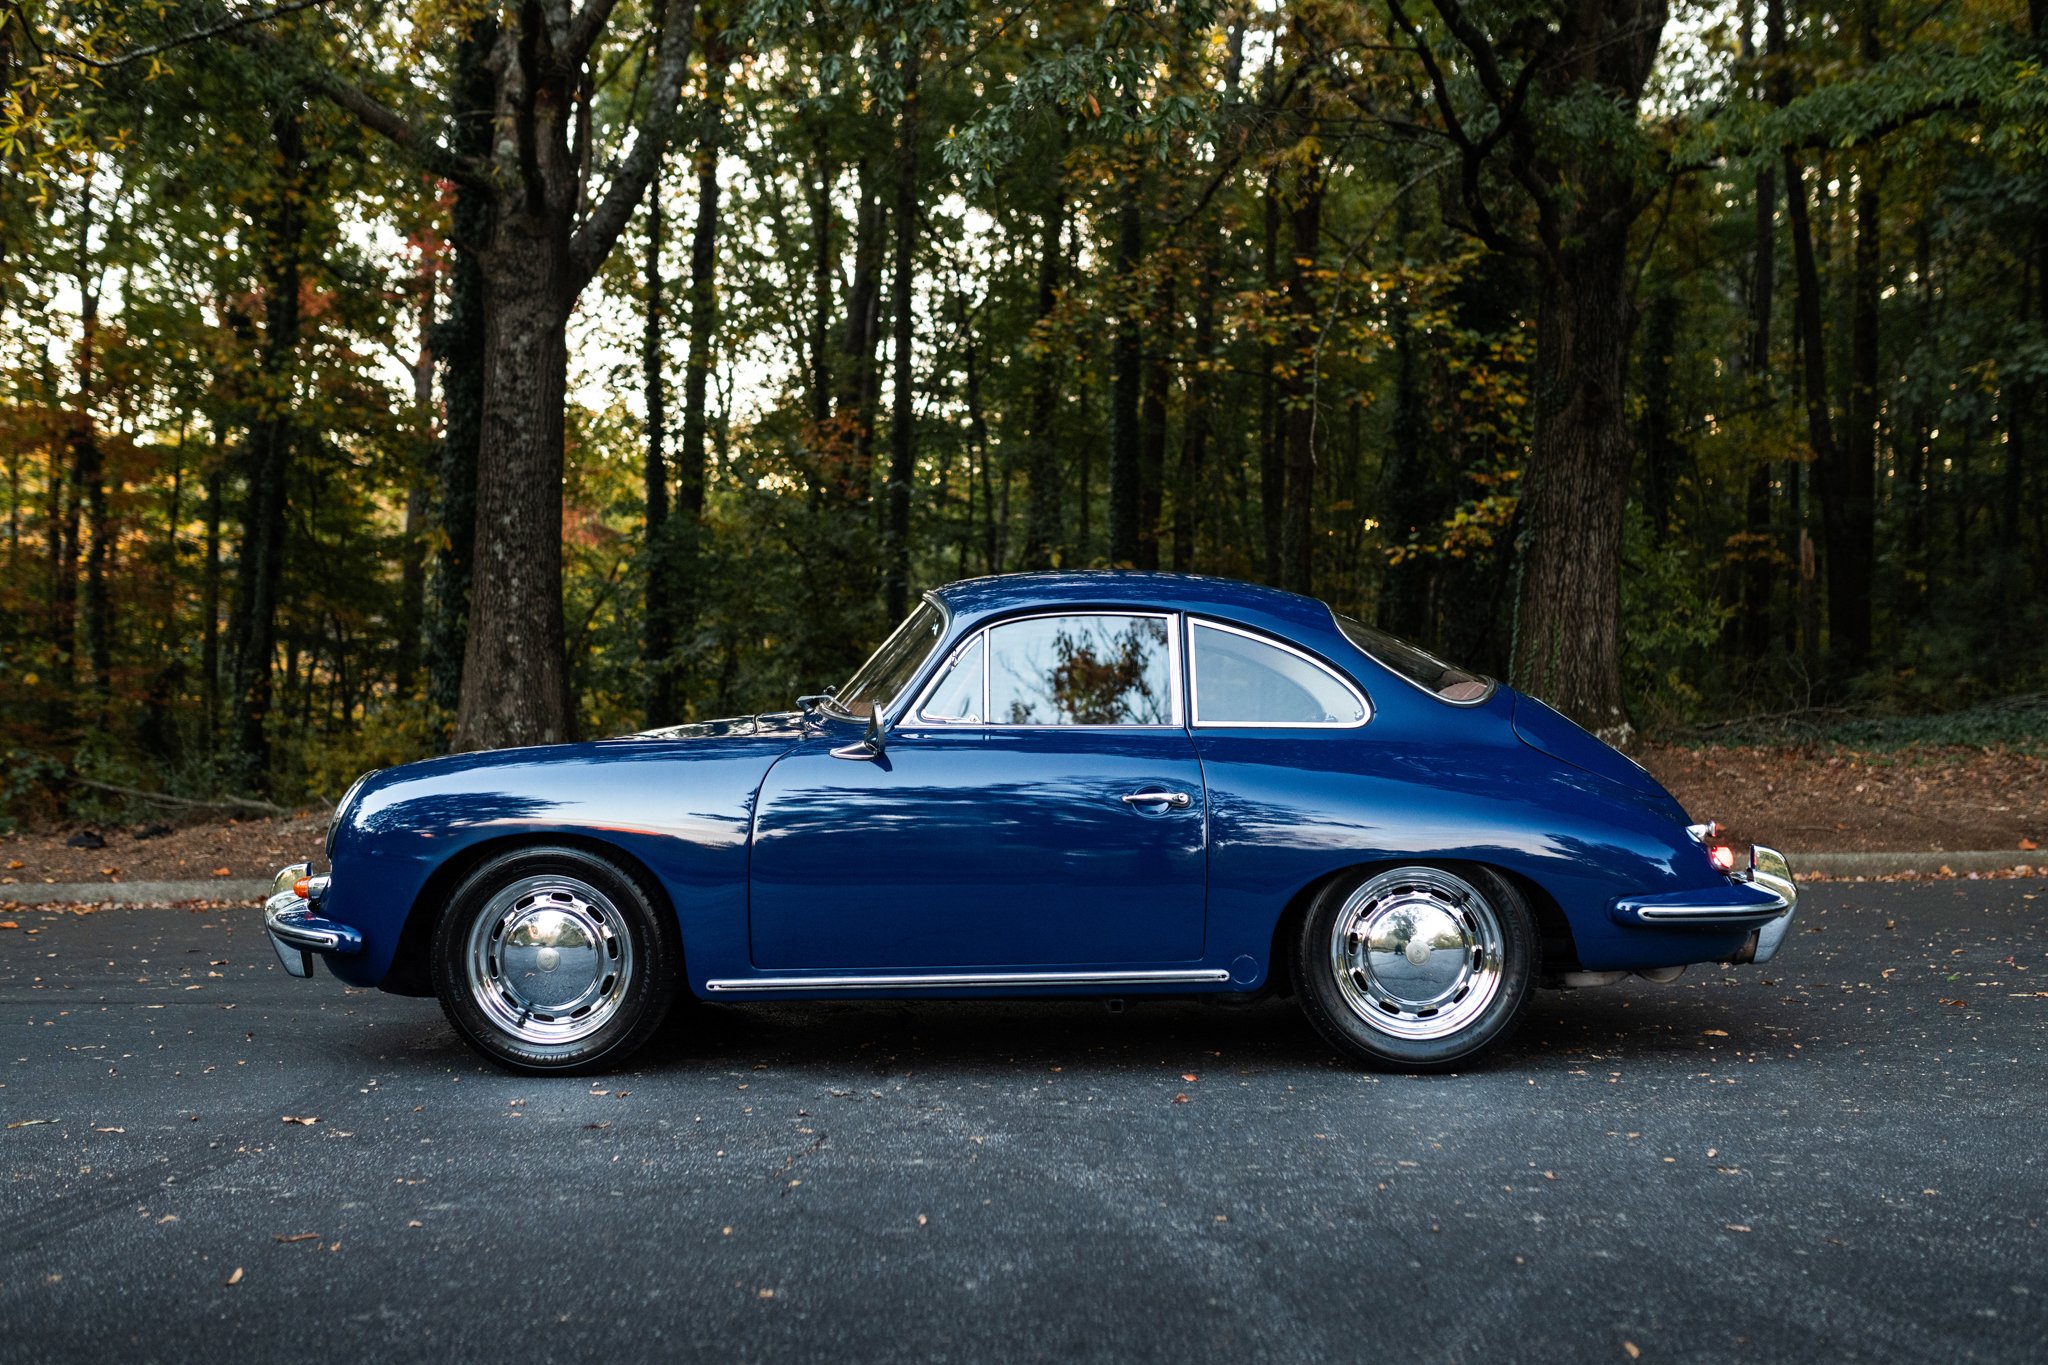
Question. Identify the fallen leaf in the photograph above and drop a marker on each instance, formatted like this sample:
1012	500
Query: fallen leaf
8	924
1958	1004
295	1237
223	872
764	1293
29	1123
233	1279
110	1130
1189	1076
2026	845
1737	1227
15	864
415	1223
1634	1351
922	1220
306	1122
1180	1099
1714	1033
167	1218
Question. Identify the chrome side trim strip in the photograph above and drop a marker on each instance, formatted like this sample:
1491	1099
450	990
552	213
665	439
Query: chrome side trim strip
1716	914
968	979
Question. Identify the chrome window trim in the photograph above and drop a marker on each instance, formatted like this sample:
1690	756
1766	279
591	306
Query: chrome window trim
986	633
1194	688
978	636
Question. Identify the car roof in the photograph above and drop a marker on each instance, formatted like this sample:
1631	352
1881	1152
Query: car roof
977	598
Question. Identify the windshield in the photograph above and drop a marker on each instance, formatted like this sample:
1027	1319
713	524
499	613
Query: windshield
1414	663
889	669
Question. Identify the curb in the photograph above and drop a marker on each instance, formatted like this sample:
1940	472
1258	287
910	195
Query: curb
134	893
1925	864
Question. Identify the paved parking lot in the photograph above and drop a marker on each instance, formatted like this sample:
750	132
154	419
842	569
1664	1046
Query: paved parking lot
1837	1154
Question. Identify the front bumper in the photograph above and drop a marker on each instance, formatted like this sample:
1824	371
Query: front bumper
1763	899
296	932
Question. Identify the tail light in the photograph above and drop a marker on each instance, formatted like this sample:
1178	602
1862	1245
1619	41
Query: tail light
1723	856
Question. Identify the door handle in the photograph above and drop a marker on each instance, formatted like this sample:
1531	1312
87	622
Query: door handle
1177	800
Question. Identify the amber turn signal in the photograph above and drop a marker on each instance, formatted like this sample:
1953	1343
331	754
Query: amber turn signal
304	885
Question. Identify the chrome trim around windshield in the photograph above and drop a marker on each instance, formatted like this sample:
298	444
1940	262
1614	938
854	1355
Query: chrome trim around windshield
954	980
889	710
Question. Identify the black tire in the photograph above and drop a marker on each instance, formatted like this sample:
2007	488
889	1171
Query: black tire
552	960
1378	998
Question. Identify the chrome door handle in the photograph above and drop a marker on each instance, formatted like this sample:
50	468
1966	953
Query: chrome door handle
1177	800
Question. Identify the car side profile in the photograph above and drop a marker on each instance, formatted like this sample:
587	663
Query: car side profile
1043	785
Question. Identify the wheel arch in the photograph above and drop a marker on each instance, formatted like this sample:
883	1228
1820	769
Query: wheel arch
1553	927
411	968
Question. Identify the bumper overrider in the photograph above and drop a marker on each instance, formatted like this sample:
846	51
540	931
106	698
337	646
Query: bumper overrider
296	929
1762	898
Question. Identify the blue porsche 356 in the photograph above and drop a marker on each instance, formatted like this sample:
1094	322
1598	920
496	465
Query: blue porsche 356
1047	784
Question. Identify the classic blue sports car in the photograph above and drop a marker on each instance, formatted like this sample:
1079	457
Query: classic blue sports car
1044	784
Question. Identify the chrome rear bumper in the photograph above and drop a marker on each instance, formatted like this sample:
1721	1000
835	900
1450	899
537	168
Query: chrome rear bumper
1763	899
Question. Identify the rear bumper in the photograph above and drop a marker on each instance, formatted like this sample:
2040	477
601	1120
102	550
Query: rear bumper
296	932
1763	899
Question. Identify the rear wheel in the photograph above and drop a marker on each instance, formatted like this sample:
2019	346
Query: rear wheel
1417	968
553	959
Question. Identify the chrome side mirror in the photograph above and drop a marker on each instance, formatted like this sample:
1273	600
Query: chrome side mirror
871	745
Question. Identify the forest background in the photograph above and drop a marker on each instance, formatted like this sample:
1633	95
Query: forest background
379	380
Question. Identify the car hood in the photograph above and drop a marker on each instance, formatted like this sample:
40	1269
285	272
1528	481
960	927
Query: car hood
1542	728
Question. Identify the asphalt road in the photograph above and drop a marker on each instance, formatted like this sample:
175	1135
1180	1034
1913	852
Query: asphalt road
1836	1155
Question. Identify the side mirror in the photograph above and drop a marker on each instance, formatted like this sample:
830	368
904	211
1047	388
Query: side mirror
871	745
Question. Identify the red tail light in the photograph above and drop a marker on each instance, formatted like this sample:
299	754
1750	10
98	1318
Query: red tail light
1723	856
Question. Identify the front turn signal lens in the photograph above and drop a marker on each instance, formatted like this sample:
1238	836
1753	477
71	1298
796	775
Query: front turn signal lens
304	886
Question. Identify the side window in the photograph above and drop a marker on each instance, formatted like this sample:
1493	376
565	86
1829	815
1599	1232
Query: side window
1082	670
1245	680
955	694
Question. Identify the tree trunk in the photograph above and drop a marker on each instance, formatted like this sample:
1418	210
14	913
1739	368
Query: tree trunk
902	413
515	667
1660	455
1851	522
1126	502
458	345
1152	420
854	412
89	480
824	270
260	567
658	636
1568	610
1272	468
1194	444
209	601
412	571
1820	433
1042	470
1297	529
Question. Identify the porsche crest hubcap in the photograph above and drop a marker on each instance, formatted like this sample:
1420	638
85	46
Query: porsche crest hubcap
1417	953
549	959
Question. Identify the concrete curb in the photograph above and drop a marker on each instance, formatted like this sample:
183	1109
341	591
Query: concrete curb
253	892
1926	864
133	893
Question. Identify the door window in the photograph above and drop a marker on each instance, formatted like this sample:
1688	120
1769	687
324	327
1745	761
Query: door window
1094	669
1244	679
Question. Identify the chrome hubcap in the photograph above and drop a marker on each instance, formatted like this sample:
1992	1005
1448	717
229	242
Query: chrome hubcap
1417	953
549	960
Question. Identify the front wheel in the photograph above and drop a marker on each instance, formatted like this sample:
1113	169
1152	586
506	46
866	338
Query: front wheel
552	960
1417	968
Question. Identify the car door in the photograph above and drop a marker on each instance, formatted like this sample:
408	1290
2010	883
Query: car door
1039	806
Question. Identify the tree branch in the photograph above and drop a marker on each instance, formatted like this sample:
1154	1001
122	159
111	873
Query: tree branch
593	241
399	131
219	30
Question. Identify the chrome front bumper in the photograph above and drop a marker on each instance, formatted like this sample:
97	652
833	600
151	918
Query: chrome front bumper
296	932
1763	899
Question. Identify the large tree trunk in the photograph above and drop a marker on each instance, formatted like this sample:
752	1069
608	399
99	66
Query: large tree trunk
412	571
1760	553
1125	501
854	410
902	399
1042	470
1568	608
1297	531
515	684
260	569
89	480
